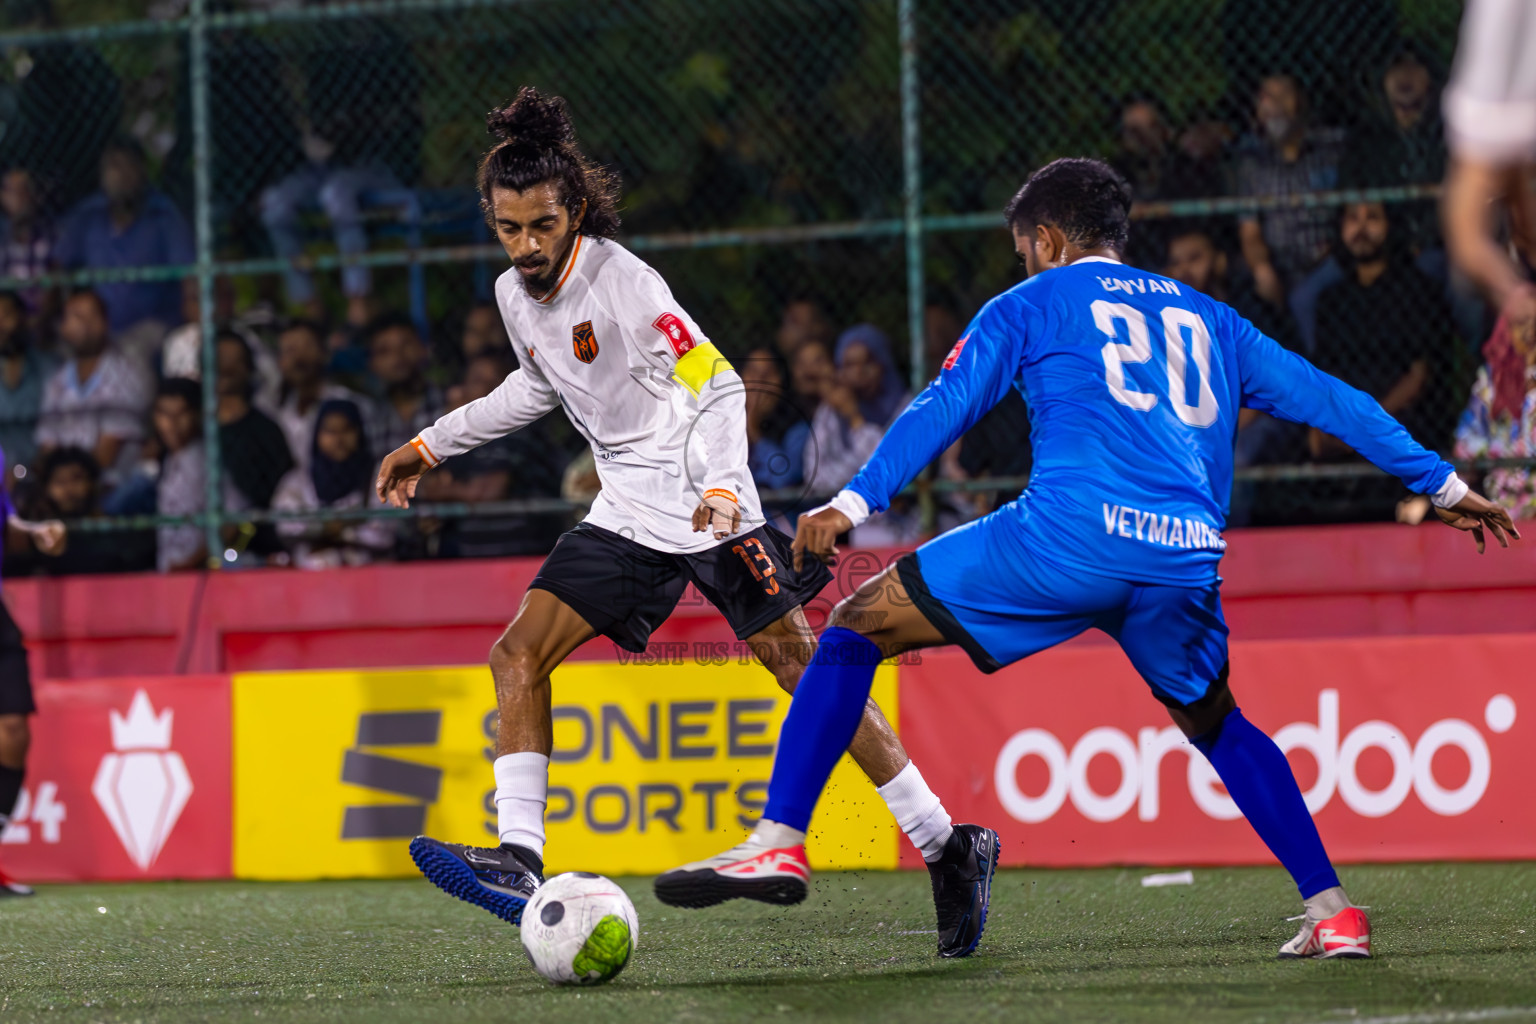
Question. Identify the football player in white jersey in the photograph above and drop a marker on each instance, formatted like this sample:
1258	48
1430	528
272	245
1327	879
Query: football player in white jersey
597	331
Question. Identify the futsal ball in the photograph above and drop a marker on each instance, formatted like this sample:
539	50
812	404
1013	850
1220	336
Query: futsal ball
579	929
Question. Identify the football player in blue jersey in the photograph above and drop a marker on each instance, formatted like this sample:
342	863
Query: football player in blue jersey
1134	384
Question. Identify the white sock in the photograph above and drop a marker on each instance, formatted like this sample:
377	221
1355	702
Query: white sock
522	788
918	811
1327	903
776	836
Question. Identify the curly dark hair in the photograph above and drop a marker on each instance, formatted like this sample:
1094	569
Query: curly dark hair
1086	199
538	144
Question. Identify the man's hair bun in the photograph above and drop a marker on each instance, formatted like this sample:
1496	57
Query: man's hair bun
533	121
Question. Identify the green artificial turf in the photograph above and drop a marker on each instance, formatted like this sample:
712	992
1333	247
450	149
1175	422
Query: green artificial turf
1454	942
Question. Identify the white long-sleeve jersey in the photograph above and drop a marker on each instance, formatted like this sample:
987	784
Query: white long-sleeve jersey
663	410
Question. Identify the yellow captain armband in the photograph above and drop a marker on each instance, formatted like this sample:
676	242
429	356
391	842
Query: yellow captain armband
698	365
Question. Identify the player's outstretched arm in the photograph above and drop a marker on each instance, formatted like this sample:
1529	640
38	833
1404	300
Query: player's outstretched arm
1282	383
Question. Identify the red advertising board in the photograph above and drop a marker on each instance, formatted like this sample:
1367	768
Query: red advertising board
1406	748
126	779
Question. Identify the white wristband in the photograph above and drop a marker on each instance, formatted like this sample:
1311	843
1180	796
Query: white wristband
1450	493
850	504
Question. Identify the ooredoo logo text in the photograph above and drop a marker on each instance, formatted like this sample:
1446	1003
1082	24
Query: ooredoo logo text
1140	759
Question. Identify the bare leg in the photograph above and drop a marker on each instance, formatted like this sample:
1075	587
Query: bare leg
542	635
785	649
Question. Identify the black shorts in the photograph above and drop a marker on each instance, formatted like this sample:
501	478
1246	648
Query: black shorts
625	590
15	677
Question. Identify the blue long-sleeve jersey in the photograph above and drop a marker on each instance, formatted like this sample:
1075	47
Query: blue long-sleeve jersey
1134	383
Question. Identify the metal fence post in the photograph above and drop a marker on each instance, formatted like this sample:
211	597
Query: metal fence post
203	226
912	209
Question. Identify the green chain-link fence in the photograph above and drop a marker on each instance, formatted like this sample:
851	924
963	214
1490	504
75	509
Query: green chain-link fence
792	167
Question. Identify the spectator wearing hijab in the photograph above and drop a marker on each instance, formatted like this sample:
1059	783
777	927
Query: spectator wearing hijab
339	475
857	404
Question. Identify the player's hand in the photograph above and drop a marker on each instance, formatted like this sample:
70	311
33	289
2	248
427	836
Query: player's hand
718	513
817	533
50	537
1475	513
399	474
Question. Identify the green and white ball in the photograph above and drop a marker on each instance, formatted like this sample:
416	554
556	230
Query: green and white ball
579	929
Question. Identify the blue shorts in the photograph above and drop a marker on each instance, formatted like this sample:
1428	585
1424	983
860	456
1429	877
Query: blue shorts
984	589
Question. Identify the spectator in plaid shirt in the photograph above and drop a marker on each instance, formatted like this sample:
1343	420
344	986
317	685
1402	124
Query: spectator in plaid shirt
1288	156
98	399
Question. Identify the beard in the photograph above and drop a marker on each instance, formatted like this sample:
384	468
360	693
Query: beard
1365	252
544	271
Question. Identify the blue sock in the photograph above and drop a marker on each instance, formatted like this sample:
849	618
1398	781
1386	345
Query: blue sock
824	715
1260	782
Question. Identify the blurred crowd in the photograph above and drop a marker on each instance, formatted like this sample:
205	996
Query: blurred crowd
101	400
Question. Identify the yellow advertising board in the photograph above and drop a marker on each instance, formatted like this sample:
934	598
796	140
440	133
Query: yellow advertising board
653	765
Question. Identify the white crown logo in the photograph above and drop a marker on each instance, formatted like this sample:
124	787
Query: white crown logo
142	729
142	785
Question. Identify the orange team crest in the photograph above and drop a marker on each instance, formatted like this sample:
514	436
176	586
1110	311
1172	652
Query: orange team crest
584	342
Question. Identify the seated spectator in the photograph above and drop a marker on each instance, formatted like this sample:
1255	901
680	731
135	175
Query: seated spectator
1157	169
97	400
69	488
1287	157
253	452
129	224
804	320
23	372
1154	163
769	416
856	407
525	464
408	404
26	235
301	359
181	486
1404	145
811	372
1385	329
338	474
182	353
1500	418
362	132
